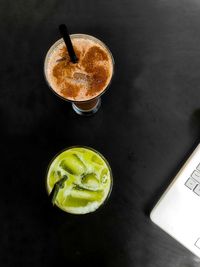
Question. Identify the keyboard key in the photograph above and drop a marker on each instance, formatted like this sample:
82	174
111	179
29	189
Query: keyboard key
191	183
198	167
197	244
196	176
197	190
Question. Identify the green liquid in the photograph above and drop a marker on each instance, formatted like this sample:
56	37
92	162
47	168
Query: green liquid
89	180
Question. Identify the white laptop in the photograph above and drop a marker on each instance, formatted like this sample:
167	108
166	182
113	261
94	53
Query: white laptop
178	210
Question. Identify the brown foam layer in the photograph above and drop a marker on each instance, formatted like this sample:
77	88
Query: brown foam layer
83	80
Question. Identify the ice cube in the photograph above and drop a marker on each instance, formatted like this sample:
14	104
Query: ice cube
75	202
97	160
90	180
86	194
73	165
104	176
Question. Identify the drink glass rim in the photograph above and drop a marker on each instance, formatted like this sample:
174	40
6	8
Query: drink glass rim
77	35
107	164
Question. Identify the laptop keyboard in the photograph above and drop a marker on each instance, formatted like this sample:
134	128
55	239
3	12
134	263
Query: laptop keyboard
193	183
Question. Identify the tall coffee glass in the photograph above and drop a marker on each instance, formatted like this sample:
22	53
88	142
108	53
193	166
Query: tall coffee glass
84	82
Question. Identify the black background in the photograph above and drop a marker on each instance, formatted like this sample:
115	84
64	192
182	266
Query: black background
148	124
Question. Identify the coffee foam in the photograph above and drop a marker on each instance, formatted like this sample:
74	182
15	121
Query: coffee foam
83	80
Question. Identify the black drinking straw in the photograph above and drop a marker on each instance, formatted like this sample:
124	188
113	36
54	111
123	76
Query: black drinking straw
65	35
57	186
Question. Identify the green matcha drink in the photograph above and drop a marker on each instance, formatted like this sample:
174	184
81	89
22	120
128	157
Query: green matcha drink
85	176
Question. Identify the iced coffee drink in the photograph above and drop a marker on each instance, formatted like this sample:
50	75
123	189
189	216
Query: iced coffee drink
83	82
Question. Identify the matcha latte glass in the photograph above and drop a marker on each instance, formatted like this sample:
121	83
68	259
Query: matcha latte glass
87	179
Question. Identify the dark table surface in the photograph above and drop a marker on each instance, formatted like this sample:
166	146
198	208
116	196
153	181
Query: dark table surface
148	125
